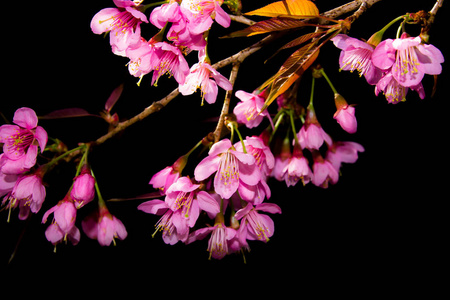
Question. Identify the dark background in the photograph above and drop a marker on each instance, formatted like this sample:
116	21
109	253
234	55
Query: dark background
383	222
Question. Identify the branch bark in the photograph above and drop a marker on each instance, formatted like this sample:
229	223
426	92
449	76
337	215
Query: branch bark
236	59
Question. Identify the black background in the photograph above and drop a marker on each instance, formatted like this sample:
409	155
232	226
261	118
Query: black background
381	224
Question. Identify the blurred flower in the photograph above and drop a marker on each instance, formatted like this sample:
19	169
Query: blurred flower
343	152
324	172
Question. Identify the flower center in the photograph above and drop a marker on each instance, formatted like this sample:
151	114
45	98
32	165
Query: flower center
228	168
360	60
19	142
406	62
184	202
261	231
217	244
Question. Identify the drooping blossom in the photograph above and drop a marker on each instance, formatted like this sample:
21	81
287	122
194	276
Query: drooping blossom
167	176
357	55
394	91
297	168
311	135
248	111
83	190
323	171
104	227
144	58
345	114
343	152
218	242
180	209
256	226
171	62
123	24
28	193
408	58
7	182
203	12
63	224
21	142
204	77
231	167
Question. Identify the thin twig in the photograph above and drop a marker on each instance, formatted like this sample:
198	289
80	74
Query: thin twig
226	103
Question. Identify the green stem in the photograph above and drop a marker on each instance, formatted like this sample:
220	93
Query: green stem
240	137
150	5
328	80
291	115
57	159
391	23
310	106
101	202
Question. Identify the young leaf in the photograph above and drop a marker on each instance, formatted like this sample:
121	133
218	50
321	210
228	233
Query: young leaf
115	95
290	71
287	7
270	25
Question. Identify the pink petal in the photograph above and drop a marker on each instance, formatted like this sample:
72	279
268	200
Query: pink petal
41	136
206	167
383	56
207	203
101	22
222	17
25	117
156	207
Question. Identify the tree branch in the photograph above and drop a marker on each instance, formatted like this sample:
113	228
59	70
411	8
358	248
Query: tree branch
236	60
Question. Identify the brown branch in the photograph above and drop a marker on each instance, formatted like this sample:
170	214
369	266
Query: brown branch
235	59
226	103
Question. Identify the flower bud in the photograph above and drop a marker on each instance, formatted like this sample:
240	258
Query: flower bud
83	190
345	114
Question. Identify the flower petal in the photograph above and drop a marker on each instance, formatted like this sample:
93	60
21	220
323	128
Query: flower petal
25	117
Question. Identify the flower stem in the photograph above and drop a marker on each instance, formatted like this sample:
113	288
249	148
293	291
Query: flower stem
57	159
328	80
294	132
310	105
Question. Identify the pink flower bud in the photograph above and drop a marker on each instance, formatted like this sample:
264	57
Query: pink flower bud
83	190
345	114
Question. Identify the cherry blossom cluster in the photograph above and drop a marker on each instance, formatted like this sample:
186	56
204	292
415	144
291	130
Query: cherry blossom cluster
22	184
393	65
187	24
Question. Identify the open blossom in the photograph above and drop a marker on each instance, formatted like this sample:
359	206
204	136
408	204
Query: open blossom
297	168
248	111
180	209
104	227
21	141
394	91
144	58
324	171
63	224
171	62
231	167
123	23
343	152
409	59
203	12
28	193
256	226
167	176
357	55
203	76
219	240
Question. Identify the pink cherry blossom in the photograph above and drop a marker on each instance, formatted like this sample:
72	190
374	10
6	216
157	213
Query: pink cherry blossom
345	114
21	142
324	171
343	152
168	12
231	167
409	59
311	135
357	55
219	240
297	168
144	58
394	91
171	62
122	22
28	193
203	76
167	176
256	226
248	111
203	12
104	227
63	224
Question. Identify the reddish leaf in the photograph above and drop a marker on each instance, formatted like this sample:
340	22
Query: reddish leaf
67	113
115	95
270	25
287	7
